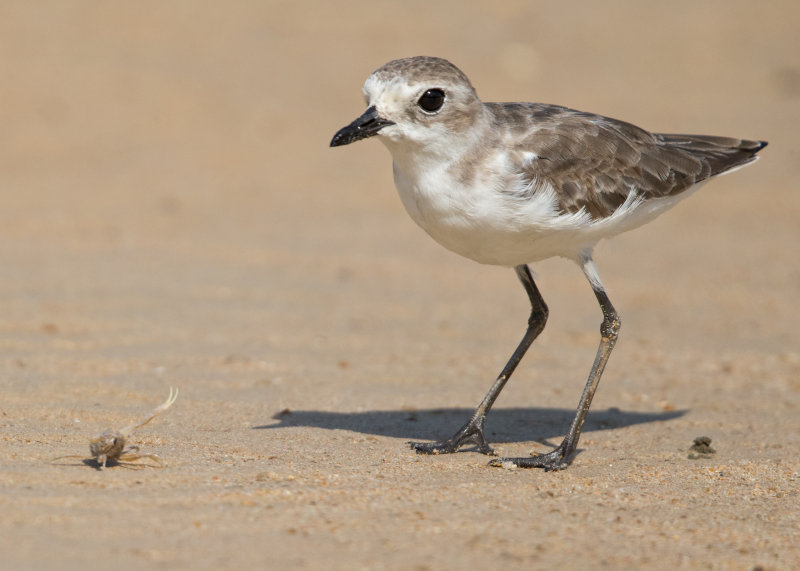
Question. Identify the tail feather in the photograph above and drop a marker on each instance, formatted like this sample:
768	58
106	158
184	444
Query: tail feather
722	154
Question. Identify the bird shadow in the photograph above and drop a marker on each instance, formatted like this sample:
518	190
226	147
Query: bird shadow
502	425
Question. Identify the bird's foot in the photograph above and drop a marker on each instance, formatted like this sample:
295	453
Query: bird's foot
470	433
558	459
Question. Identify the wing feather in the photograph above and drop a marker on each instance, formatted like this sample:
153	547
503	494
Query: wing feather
594	162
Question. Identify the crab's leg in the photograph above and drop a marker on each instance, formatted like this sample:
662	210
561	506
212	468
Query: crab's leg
135	457
155	412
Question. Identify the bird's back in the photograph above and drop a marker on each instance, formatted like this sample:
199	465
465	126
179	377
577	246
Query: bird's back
594	162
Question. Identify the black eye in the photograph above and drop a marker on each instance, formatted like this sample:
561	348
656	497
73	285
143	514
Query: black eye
432	100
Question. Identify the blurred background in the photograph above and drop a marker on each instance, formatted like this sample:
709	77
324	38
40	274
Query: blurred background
145	143
170	212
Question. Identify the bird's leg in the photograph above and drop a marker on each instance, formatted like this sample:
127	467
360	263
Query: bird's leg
609	330
472	431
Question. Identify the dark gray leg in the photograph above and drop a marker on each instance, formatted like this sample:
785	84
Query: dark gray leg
472	431
609	330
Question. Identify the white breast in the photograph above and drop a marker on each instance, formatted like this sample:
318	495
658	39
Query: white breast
495	219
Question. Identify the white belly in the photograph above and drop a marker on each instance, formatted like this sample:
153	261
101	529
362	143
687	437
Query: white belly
500	228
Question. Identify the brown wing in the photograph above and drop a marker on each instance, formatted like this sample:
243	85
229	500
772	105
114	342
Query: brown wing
593	162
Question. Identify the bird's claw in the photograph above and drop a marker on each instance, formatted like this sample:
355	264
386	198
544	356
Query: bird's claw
558	459
471	433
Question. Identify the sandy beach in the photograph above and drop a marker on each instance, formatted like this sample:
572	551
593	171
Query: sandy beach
172	216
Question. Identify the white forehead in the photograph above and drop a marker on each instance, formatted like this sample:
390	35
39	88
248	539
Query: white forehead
391	93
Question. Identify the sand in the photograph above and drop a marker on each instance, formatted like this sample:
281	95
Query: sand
172	216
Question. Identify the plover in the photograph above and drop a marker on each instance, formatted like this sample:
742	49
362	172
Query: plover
514	183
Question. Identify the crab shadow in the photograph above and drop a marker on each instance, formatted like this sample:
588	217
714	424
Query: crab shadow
93	463
503	425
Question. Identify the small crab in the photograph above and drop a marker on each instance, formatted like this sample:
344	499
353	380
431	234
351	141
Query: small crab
110	445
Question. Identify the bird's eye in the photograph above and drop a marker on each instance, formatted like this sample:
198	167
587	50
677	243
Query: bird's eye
431	101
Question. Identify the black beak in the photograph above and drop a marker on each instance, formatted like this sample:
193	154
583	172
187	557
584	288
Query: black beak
365	126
